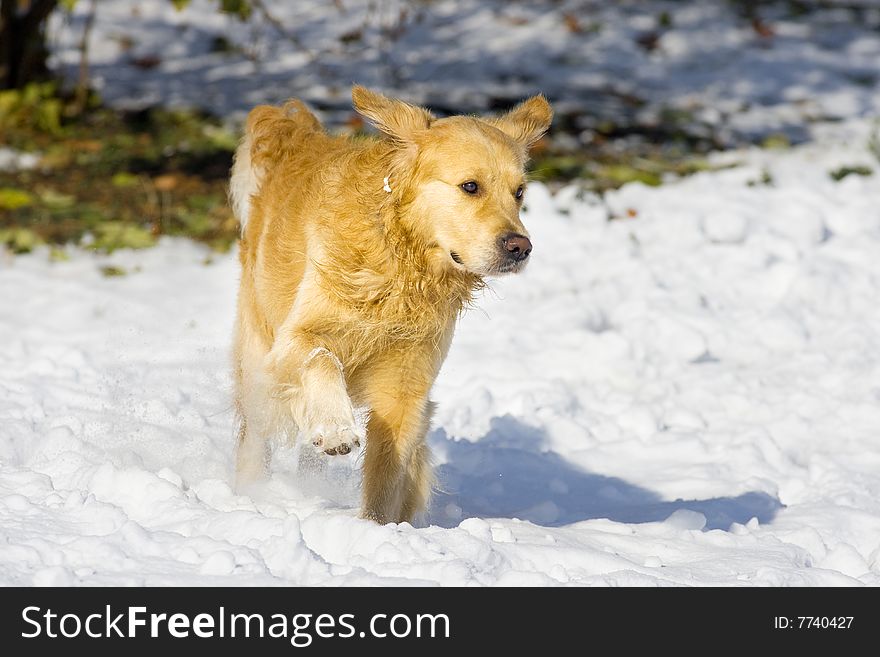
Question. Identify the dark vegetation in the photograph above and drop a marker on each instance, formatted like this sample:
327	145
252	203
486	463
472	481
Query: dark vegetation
111	179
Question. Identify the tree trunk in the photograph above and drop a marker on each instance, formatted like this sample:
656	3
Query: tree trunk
23	50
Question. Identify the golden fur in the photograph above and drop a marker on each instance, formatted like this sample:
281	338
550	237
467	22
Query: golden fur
349	292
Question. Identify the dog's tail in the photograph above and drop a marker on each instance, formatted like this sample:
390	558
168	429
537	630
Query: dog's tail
268	131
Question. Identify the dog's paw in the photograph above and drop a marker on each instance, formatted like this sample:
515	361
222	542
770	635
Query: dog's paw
335	439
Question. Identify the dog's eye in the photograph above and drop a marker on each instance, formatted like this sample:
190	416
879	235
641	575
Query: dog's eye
519	192
470	187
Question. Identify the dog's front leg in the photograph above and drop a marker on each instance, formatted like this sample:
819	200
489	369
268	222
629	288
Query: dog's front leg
397	470
310	379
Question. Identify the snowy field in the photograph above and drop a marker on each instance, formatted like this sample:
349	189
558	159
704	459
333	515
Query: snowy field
628	62
695	400
695	393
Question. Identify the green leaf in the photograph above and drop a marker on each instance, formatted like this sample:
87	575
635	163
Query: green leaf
111	271
859	170
56	200
124	179
13	199
112	235
180	5
776	142
68	4
623	173
20	240
35	106
58	254
220	137
241	8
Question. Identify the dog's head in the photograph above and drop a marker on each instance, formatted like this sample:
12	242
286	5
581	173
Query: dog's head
463	177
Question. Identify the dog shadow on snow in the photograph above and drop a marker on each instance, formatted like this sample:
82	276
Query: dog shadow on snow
505	475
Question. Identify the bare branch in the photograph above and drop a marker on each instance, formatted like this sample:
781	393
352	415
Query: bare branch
82	83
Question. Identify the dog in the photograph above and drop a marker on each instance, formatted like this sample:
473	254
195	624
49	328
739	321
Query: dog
358	254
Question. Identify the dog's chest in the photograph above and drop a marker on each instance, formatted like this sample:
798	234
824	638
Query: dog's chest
404	314
375	308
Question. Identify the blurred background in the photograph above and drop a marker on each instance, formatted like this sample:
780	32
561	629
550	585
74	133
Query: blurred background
118	118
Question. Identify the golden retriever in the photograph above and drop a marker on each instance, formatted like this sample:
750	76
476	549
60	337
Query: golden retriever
357	257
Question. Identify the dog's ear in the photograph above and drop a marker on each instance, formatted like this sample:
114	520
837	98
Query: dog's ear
526	122
400	121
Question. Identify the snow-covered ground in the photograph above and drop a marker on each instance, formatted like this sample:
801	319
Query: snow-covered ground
686	395
627	62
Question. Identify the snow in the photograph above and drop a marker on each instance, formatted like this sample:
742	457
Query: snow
686	395
12	160
469	55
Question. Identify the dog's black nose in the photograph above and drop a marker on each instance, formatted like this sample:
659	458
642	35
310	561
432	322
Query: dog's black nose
518	247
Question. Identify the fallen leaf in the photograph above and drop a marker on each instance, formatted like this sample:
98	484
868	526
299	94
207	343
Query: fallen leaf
572	23
165	182
146	62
